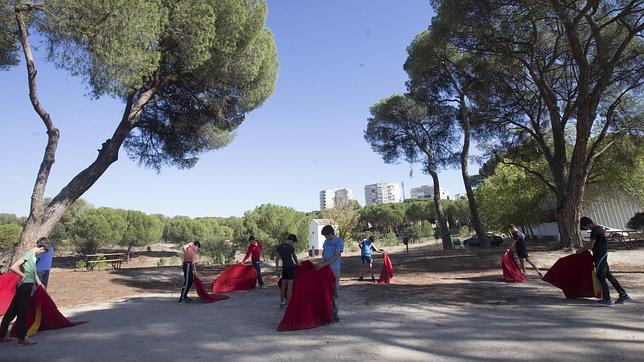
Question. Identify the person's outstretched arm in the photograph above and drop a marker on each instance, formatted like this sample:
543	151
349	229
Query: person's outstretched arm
248	251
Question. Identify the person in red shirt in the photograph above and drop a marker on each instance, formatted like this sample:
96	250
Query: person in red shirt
189	269
254	251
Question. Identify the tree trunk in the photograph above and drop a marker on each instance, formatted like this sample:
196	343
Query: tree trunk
41	222
442	223
471	200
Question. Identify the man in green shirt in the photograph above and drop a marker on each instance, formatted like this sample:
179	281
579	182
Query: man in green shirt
26	268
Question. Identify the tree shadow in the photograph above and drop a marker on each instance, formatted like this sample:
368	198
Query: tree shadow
156	328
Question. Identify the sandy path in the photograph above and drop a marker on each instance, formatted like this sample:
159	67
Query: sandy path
468	315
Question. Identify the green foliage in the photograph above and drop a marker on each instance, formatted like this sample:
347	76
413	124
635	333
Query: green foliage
511	196
215	229
8	36
64	228
419	210
210	62
98	227
221	251
10	219
346	217
141	229
114	44
457	213
174	260
101	265
81	264
182	229
402	129
272	223
161	262
384	217
9	235
620	168
422	230
637	221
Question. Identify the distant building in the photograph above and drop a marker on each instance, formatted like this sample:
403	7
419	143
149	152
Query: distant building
316	239
382	193
343	196
460	196
427	192
331	198
327	199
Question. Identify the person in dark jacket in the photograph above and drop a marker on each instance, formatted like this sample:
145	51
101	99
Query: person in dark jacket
599	246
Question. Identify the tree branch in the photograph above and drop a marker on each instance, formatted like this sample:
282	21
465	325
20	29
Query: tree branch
53	135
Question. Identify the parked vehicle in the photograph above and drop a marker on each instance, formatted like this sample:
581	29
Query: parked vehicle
473	240
611	233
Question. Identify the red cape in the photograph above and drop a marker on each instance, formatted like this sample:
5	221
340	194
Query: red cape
43	315
387	271
203	293
574	275
8	283
511	271
235	277
311	302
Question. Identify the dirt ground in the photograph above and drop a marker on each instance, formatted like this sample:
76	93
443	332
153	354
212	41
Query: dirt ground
441	305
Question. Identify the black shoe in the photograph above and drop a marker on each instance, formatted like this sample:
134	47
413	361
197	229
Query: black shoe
373	279
361	279
187	300
181	301
622	299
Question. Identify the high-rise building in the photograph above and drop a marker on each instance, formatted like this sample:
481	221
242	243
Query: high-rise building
342	196
427	192
331	198
327	199
382	193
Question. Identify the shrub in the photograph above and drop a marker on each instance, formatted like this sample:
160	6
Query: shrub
81	264
424	230
637	221
161	262
101	265
220	251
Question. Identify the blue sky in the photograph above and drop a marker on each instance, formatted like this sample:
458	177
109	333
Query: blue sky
337	58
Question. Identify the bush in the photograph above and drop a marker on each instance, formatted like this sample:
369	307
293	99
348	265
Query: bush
81	264
101	265
220	251
9	236
424	230
637	221
161	262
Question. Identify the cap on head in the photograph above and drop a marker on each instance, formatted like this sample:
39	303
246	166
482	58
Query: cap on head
327	230
292	237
